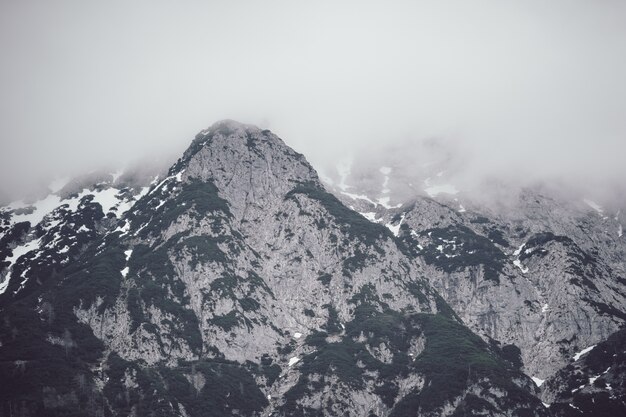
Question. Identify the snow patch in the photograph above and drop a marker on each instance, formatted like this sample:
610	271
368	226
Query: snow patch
371	216
359	197
124	272
178	177
107	199
582	352
538	381
124	229
297	335
40	209
18	252
518	264
461	209
545	308
396	229
384	201
294	360
128	253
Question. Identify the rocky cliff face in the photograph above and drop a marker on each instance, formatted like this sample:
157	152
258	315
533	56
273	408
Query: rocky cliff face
239	285
538	282
545	276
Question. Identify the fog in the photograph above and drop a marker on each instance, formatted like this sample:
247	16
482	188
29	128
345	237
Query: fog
527	90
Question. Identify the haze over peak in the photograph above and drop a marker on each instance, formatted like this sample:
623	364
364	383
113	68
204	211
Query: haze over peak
529	90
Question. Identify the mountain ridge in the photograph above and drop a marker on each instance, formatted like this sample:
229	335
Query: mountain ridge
238	283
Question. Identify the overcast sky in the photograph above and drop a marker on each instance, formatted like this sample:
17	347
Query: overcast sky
532	87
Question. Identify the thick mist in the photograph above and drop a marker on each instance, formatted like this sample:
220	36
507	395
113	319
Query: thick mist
524	91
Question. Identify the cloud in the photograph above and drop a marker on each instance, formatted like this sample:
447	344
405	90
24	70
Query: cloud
530	89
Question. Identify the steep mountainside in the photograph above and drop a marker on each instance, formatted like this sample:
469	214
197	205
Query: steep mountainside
549	281
595	384
544	277
40	237
238	285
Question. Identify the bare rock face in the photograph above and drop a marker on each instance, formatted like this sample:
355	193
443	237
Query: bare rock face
541	277
542	283
237	285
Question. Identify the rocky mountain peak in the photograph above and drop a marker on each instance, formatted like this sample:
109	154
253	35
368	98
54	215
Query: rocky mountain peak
250	166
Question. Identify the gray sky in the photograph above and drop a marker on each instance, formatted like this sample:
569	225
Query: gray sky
534	88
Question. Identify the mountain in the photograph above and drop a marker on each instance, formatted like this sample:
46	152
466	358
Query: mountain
43	234
543	277
237	284
536	278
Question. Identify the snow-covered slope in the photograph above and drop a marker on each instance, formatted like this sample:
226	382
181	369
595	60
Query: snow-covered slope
40	237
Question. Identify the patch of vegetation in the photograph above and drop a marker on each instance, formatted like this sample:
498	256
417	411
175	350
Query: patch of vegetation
324	278
456	248
332	325
454	357
204	388
158	285
199	196
203	249
133	303
97	274
579	263
249	304
367	295
510	353
350	222
35	371
227	321
479	220
354	263
604	308
497	237
473	405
